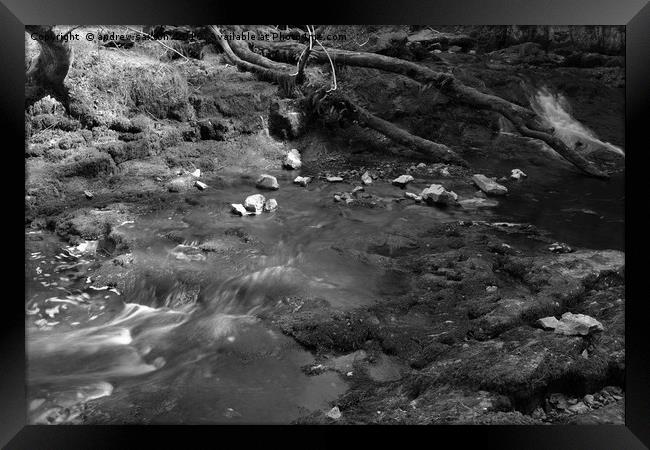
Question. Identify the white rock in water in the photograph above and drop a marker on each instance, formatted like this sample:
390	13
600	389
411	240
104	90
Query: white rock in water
334	413
267	182
366	178
238	208
292	160
200	185
436	193
302	181
413	196
517	174
254	203
270	205
488	185
334	179
548	323
578	325
357	189
402	180
196	173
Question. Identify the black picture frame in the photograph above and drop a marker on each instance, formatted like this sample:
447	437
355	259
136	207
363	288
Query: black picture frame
14	14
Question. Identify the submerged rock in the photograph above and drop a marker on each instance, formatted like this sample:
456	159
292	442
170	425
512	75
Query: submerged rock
267	182
436	193
292	160
270	205
403	180
302	181
254	203
517	174
366	178
488	185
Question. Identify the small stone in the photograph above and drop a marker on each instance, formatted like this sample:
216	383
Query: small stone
436	193
180	184
337	197
357	189
200	185
334	413
455	49
559	247
585	354
88	194
302	181
254	203
491	289
403	180
413	196
334	179
292	160
579	408
366	178
267	182
517	174
548	323
578	325
444	172
238	208
270	205
488	185
421	166
588	399
196	173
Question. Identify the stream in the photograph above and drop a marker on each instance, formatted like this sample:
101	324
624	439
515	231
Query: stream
185	343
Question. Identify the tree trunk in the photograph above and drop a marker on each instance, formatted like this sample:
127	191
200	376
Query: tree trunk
46	74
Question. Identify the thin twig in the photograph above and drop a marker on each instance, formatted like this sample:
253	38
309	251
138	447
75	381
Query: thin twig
154	39
331	63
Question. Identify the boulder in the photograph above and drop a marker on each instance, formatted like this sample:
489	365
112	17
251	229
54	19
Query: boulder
488	185
334	413
267	182
254	203
578	325
270	205
302	181
402	180
180	184
292	160
238	208
366	178
436	193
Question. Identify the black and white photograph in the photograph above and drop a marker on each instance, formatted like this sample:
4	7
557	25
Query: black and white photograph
325	224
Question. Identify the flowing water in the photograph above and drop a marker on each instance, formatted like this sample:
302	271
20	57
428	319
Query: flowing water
186	342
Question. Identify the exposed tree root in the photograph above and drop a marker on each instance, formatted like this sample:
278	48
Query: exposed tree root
239	53
527	122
